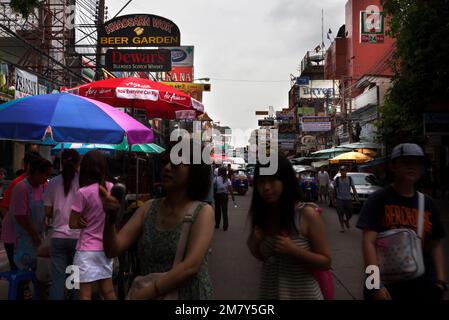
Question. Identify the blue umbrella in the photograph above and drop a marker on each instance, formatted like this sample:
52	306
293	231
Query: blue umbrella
71	118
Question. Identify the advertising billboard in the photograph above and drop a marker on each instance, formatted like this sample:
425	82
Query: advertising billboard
316	124
138	60
372	27
139	30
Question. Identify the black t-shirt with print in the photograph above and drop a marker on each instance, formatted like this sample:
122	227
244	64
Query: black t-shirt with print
386	210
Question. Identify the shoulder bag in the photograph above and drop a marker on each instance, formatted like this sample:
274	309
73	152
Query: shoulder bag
141	282
399	251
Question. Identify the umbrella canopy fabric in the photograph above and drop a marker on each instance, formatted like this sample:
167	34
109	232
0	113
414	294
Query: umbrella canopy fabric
331	150
159	100
320	164
369	152
350	157
71	118
330	153
361	145
83	148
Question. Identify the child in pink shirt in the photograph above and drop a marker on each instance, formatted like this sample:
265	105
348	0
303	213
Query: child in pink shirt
88	215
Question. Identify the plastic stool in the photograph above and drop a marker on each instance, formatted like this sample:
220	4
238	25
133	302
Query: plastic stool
15	277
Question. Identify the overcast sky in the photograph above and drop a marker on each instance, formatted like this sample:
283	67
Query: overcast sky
248	48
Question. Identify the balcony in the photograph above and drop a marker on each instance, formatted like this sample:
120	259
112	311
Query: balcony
313	63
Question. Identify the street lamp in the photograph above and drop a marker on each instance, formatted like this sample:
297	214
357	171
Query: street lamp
202	79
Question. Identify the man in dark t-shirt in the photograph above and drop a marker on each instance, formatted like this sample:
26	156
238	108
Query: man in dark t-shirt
396	207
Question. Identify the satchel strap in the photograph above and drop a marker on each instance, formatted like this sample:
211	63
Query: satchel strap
186	226
298	212
421	203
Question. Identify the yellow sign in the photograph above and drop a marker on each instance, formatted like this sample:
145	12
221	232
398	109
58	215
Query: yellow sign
194	90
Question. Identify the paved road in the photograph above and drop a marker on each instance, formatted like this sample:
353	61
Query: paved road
235	272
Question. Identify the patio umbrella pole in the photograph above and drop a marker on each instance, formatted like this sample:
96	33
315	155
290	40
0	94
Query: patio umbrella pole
137	181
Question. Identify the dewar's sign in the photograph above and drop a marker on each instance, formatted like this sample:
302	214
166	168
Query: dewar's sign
138	60
139	30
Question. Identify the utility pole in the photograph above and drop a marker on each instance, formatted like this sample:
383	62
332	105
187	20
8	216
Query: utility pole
100	22
350	111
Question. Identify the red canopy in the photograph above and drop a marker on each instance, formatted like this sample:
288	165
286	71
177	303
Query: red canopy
159	100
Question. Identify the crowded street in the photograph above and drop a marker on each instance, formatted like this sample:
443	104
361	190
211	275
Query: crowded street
203	153
235	273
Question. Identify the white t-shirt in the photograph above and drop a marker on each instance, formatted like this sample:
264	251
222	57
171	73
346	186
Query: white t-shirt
323	178
62	206
222	187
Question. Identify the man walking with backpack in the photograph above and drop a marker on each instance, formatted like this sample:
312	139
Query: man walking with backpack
342	186
414	269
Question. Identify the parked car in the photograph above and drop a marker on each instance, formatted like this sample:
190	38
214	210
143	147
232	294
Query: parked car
240	182
365	184
308	182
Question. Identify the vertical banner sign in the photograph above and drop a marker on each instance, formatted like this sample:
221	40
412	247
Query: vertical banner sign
27	84
139	30
372	27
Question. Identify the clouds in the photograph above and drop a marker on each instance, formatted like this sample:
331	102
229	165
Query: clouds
246	39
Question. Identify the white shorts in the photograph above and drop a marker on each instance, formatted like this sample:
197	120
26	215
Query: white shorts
93	265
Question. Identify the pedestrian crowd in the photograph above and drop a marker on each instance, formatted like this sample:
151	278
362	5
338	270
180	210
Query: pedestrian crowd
73	219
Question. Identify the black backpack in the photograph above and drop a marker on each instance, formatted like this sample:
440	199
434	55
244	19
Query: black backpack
337	183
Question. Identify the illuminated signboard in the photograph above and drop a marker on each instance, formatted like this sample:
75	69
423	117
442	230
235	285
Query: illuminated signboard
139	30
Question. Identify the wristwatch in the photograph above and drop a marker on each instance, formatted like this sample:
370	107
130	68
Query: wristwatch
443	284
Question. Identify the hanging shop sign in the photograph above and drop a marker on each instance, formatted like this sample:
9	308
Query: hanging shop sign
319	89
185	115
195	90
138	60
139	30
285	114
372	27
182	56
177	74
302	81
27	84
266	123
307	111
316	124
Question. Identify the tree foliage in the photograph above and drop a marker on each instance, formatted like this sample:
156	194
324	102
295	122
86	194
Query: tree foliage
420	65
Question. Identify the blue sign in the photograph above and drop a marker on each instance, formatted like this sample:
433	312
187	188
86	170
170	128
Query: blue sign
302	81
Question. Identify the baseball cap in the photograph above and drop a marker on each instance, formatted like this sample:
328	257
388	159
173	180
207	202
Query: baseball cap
407	150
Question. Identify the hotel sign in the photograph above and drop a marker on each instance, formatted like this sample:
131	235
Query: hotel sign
139	30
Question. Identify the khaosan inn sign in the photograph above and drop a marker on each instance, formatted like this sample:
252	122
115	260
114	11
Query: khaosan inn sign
139	30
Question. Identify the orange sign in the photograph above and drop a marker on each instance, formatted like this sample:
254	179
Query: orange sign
192	89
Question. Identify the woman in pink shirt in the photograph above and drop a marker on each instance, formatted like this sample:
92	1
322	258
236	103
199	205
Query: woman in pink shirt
58	200
88	214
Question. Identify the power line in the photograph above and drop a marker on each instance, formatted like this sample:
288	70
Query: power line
251	81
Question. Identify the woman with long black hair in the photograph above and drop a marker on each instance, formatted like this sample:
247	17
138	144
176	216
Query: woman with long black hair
157	227
287	236
58	200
